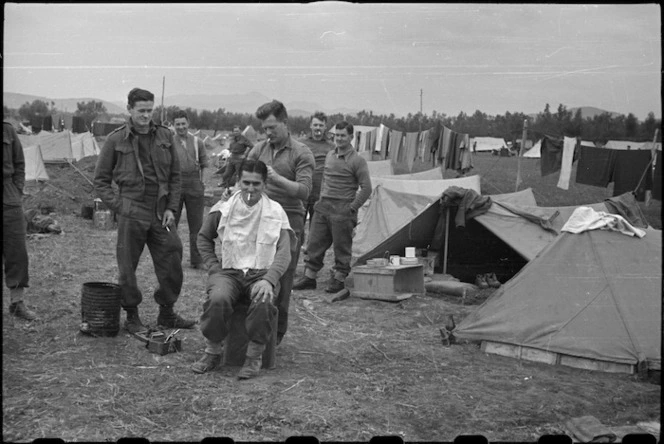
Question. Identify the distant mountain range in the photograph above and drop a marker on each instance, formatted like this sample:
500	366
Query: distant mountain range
15	101
236	103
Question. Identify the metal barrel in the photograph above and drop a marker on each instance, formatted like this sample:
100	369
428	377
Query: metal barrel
100	308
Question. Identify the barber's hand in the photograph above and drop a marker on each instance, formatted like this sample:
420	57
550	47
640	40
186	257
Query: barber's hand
272	176
168	219
262	291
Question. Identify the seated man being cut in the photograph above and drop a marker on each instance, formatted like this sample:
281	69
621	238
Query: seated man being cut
255	239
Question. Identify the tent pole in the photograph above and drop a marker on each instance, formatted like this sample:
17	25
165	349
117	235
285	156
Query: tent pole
163	87
653	159
518	160
447	234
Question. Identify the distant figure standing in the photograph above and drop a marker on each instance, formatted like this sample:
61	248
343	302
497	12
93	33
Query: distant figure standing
239	147
290	167
336	211
140	157
14	231
319	146
193	160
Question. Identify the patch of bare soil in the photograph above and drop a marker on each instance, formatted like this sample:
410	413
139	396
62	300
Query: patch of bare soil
346	371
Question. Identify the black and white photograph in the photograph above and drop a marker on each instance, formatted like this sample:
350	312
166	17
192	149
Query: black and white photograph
332	221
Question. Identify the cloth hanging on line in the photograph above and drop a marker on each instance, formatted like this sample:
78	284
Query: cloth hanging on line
629	168
569	143
595	166
410	149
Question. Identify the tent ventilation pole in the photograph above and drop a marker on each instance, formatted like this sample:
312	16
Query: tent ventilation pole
518	160
653	160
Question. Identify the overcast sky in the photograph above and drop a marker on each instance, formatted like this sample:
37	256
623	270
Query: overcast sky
465	57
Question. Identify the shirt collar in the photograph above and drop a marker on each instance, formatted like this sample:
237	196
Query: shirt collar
288	143
131	129
345	155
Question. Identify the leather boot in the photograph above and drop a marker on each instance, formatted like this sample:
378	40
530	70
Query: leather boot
169	319
253	361
19	310
133	323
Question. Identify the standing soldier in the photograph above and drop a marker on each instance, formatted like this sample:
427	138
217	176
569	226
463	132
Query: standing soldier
14	248
140	157
319	146
290	169
239	146
193	160
336	211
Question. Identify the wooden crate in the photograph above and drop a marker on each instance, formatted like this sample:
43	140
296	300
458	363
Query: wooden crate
388	283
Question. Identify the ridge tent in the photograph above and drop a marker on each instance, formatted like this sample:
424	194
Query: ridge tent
379	168
34	163
63	146
250	133
487	143
408	213
590	300
535	152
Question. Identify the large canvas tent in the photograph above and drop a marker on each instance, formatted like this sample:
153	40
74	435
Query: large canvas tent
404	213
487	143
62	146
34	163
590	300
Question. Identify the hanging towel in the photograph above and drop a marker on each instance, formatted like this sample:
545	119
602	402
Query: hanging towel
569	143
395	145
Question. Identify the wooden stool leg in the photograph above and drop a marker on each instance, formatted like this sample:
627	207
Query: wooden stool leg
235	344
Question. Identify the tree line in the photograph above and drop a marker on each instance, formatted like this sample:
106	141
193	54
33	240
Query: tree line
509	126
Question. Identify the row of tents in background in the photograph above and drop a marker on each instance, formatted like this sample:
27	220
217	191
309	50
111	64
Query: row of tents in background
54	147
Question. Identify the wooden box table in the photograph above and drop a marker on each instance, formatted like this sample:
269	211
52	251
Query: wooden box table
389	282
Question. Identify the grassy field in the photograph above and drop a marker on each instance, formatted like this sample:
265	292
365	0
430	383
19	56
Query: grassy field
346	371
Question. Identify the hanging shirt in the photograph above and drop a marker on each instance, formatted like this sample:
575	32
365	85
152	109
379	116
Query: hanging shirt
395	145
410	149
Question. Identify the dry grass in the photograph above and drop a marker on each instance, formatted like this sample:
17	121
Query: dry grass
346	371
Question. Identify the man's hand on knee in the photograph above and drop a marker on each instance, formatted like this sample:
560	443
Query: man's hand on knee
262	291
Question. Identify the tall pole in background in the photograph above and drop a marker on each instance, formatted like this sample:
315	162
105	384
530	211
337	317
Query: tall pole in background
163	87
518	160
421	110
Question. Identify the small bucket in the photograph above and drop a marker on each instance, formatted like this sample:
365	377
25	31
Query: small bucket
100	309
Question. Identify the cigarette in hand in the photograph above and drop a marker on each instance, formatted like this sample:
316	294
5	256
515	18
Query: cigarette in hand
168	229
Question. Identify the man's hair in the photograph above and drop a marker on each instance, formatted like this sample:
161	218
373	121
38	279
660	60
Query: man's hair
274	108
180	114
318	115
139	95
345	125
253	166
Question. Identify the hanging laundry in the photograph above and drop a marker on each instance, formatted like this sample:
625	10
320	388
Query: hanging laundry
380	134
629	169
410	149
384	143
552	155
569	143
47	125
595	166
465	154
444	145
657	179
422	145
395	146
